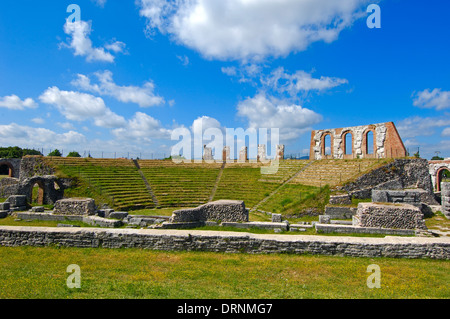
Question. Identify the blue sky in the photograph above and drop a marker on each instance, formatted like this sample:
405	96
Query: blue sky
129	73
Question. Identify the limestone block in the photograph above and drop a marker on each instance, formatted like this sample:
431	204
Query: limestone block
17	200
276	218
118	215
5	206
75	206
398	216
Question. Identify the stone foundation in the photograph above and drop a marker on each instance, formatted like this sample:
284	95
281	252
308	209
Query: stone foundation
228	242
224	210
397	216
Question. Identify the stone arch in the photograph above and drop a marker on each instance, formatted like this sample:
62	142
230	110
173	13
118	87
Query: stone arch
11	171
39	196
324	145
439	176
347	145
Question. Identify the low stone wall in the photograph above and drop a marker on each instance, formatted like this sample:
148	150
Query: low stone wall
229	242
75	206
340	212
400	216
224	210
350	229
445	198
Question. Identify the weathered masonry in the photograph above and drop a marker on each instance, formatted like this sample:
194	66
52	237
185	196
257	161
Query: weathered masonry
366	141
437	169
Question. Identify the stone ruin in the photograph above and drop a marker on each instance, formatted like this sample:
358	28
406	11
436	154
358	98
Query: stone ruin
75	206
31	171
386	142
223	210
389	215
445	199
243	153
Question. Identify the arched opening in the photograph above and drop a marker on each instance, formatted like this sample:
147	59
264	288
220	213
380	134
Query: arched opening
6	170
348	143
443	174
327	145
37	194
369	142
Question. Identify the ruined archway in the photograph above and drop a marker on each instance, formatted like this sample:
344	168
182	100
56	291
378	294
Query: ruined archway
6	169
442	173
37	193
327	145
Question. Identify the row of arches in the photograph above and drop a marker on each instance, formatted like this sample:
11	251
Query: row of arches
348	146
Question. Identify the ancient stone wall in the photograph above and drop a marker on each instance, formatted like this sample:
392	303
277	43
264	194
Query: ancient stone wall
224	210
34	166
386	142
13	165
445	199
190	240
397	216
399	174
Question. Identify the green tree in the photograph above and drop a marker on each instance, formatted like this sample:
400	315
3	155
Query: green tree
73	154
437	158
55	153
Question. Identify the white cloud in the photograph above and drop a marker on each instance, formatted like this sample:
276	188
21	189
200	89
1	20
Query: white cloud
144	96
143	128
66	125
293	120
300	81
432	99
446	132
38	120
80	42
13	102
420	126
14	134
183	59
100	3
76	106
250	29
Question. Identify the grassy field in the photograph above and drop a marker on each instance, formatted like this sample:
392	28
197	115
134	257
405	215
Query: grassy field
38	272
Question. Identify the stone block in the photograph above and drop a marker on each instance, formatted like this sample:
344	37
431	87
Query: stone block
38	209
75	206
340	199
276	218
17	200
324	219
386	215
340	212
5	206
118	215
223	210
4	213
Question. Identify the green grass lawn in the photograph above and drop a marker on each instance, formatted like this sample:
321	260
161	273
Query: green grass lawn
40	272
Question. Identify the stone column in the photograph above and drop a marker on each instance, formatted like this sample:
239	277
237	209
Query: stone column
280	152
261	152
226	154
207	153
445	198
243	154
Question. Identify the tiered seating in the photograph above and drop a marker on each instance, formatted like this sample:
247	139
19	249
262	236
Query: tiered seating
335	172
184	184
116	179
